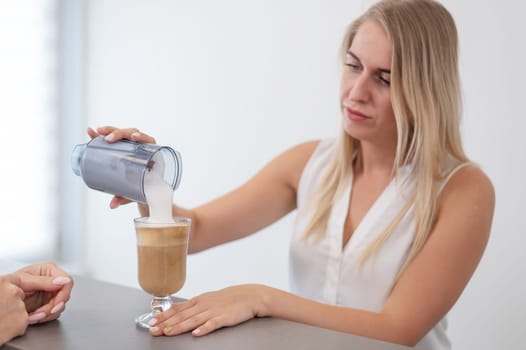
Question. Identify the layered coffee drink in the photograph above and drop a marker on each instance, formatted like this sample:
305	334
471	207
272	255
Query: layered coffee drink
162	250
162	244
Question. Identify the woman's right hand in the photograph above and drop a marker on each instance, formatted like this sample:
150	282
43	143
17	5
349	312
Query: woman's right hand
112	134
13	315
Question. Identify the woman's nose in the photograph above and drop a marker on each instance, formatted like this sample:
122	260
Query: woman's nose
359	90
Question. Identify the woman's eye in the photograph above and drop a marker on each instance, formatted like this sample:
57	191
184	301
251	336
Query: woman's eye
384	81
353	66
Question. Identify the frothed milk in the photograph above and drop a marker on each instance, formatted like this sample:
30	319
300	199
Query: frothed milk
158	193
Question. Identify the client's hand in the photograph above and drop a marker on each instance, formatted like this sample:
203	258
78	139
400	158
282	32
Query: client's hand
47	289
13	315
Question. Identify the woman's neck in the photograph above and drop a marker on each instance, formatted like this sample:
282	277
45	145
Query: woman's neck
373	161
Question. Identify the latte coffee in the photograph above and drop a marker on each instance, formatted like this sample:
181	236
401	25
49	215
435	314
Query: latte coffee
162	250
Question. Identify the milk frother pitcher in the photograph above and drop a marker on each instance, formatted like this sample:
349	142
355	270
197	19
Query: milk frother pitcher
120	168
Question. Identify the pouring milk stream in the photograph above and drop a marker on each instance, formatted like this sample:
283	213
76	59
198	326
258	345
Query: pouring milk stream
159	194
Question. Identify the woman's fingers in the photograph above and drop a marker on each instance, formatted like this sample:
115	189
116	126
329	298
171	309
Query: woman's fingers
105	130
175	312
113	134
176	315
208	312
117	201
179	325
92	133
208	327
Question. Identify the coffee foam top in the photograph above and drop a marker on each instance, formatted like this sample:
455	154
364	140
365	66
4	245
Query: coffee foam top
149	223
148	235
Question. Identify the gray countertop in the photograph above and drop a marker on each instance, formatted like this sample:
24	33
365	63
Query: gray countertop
101	316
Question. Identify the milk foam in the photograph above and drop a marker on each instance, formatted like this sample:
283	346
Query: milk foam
159	194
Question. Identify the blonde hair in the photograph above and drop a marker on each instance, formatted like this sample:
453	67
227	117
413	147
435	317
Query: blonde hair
426	99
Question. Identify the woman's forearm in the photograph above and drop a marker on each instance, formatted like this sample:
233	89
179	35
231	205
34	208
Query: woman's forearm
280	304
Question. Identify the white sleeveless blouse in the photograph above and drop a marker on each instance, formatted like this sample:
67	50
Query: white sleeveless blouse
325	272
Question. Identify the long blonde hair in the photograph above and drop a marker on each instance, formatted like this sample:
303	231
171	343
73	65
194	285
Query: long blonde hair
426	99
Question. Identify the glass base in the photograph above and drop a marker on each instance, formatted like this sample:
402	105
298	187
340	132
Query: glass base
158	305
142	320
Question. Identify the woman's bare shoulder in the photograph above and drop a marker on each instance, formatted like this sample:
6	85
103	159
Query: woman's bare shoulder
292	161
299	154
469	198
471	182
304	149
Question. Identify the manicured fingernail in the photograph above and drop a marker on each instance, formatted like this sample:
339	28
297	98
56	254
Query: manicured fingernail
196	331
109	137
61	280
152	322
136	134
154	329
36	317
57	307
167	330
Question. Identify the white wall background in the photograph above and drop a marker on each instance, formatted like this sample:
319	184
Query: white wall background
232	83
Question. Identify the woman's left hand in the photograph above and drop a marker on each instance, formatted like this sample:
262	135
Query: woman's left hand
210	311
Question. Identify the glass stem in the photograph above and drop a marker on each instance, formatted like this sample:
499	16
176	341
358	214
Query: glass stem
160	304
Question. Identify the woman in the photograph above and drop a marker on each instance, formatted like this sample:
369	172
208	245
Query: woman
392	216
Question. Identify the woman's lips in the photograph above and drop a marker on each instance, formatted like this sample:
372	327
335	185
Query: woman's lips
355	115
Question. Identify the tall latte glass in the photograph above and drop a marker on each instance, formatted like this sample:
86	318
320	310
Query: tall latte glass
162	250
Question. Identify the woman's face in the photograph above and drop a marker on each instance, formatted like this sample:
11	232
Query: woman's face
365	88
